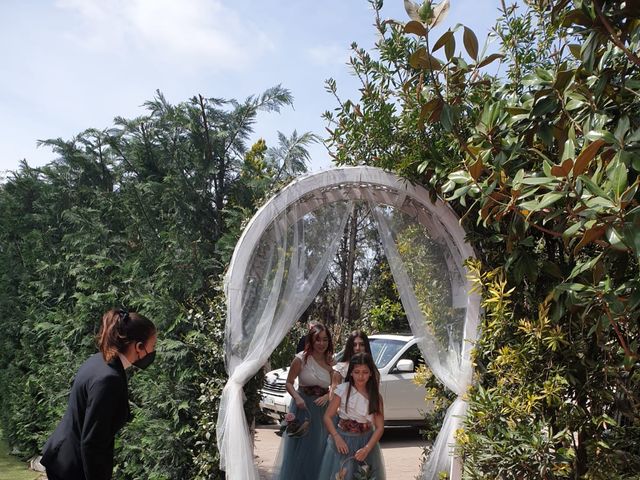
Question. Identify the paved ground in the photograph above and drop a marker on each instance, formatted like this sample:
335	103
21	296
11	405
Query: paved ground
401	449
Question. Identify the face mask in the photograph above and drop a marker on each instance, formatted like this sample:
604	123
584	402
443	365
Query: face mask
145	361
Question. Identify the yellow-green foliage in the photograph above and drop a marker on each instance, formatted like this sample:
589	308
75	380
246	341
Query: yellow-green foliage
434	391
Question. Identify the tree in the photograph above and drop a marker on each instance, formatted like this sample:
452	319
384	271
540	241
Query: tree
542	166
144	214
359	291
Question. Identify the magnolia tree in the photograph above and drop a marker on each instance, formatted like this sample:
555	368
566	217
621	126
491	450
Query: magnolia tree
536	147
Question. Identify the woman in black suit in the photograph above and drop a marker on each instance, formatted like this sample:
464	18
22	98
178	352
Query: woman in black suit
81	447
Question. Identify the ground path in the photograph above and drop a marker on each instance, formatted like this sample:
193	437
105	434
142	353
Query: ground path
401	449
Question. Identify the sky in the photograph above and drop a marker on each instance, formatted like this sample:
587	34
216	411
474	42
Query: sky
69	65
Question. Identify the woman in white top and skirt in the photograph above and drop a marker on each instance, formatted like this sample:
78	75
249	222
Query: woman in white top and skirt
299	456
353	442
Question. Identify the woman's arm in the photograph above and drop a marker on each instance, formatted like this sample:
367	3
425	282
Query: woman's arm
105	405
331	412
378	422
322	400
294	371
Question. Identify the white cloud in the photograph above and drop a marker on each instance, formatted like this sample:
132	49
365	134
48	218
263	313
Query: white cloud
193	34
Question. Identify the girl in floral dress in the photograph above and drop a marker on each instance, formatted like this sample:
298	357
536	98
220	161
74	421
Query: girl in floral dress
353	443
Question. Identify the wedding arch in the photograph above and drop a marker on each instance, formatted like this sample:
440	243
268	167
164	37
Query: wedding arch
282	259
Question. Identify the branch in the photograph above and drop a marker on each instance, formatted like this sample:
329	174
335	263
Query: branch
151	224
208	153
538	227
454	130
612	34
621	340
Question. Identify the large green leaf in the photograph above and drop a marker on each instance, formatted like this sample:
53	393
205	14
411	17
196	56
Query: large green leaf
583	266
549	181
543	202
617	174
594	188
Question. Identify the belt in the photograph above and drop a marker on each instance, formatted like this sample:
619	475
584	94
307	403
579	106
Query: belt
352	426
315	390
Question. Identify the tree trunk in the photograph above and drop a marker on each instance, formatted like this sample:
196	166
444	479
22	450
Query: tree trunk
351	260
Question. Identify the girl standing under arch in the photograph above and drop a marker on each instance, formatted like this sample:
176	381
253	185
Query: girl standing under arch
354	439
300	454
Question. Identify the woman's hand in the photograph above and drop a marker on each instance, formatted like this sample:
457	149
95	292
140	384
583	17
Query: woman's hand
341	445
362	454
300	403
322	401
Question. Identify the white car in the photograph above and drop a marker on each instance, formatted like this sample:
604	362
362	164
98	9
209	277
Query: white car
396	356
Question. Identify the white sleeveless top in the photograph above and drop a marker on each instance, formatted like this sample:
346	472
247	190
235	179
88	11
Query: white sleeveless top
342	368
358	405
312	373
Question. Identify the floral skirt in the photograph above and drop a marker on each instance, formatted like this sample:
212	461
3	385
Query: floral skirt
333	461
299	458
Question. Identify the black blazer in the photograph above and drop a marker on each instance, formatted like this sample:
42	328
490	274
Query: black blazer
81	447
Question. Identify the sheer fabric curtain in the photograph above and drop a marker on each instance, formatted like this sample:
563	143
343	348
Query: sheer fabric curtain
427	266
290	243
278	281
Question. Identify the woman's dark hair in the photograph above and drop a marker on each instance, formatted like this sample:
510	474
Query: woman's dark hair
119	329
314	330
372	384
348	348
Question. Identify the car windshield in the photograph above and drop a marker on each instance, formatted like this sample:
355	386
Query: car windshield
384	349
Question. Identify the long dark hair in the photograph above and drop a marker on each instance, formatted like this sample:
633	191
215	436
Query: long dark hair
348	347
372	384
314	330
120	328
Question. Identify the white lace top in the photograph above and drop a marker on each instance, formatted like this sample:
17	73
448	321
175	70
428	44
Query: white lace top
312	373
358	404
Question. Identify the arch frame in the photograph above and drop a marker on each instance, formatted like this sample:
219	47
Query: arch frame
347	184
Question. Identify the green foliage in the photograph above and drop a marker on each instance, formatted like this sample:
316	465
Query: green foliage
282	356
206	343
146	215
436	397
385	313
542	165
387	316
423	259
359	292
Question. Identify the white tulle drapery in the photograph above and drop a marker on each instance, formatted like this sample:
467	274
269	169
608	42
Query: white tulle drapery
282	277
429	274
282	259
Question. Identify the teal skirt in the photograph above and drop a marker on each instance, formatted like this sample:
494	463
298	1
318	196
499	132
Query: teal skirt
333	461
299	458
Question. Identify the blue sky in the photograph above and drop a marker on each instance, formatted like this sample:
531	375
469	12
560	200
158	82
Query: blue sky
68	65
